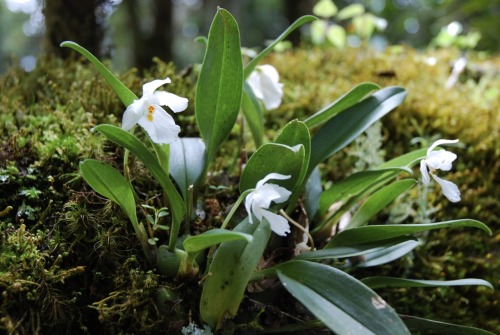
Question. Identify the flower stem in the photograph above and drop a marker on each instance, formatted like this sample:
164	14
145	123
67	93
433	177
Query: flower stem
235	207
296	224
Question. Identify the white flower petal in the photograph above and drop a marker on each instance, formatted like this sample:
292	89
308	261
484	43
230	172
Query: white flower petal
149	88
439	142
174	102
160	126
132	115
254	82
264	81
279	224
248	206
272	89
440	159
276	176
425	174
267	193
450	190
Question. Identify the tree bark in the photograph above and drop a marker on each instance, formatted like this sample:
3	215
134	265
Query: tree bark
154	43
74	20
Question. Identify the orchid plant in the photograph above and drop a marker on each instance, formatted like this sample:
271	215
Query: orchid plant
281	188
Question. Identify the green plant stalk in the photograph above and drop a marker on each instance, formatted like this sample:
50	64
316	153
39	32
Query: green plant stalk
188	265
235	207
264	274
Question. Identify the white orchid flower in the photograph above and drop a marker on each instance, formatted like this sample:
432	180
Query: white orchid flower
259	200
440	160
148	113
264	81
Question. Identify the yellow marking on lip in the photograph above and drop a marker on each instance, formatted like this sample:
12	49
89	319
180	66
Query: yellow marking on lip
151	111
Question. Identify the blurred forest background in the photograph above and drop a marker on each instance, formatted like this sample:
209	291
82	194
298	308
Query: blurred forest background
132	32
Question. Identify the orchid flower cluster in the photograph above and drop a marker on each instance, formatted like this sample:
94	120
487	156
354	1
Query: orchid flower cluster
281	176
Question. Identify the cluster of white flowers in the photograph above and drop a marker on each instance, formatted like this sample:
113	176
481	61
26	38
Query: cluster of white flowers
264	81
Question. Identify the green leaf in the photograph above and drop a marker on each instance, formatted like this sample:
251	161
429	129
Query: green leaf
296	133
110	183
219	88
273	158
195	244
130	142
350	11
312	192
254	62
346	126
385	282
387	255
340	301
123	92
409	159
349	99
374	233
364	25
187	162
318	29
336	35
230	271
355	184
355	250
252	110
425	326
325	8
378	201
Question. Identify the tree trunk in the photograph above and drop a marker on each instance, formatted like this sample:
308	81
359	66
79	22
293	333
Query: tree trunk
156	42
74	20
294	10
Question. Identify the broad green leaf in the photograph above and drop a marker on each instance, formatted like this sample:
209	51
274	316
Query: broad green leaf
425	326
123	92
374	233
349	99
355	184
336	35
385	282
341	302
197	243
110	183
378	201
350	11
325	8
187	162
346	126
296	133
387	255
254	62
219	88
230	271
273	158
132	143
252	110
352	251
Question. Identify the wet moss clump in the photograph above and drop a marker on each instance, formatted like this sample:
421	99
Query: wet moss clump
72	264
